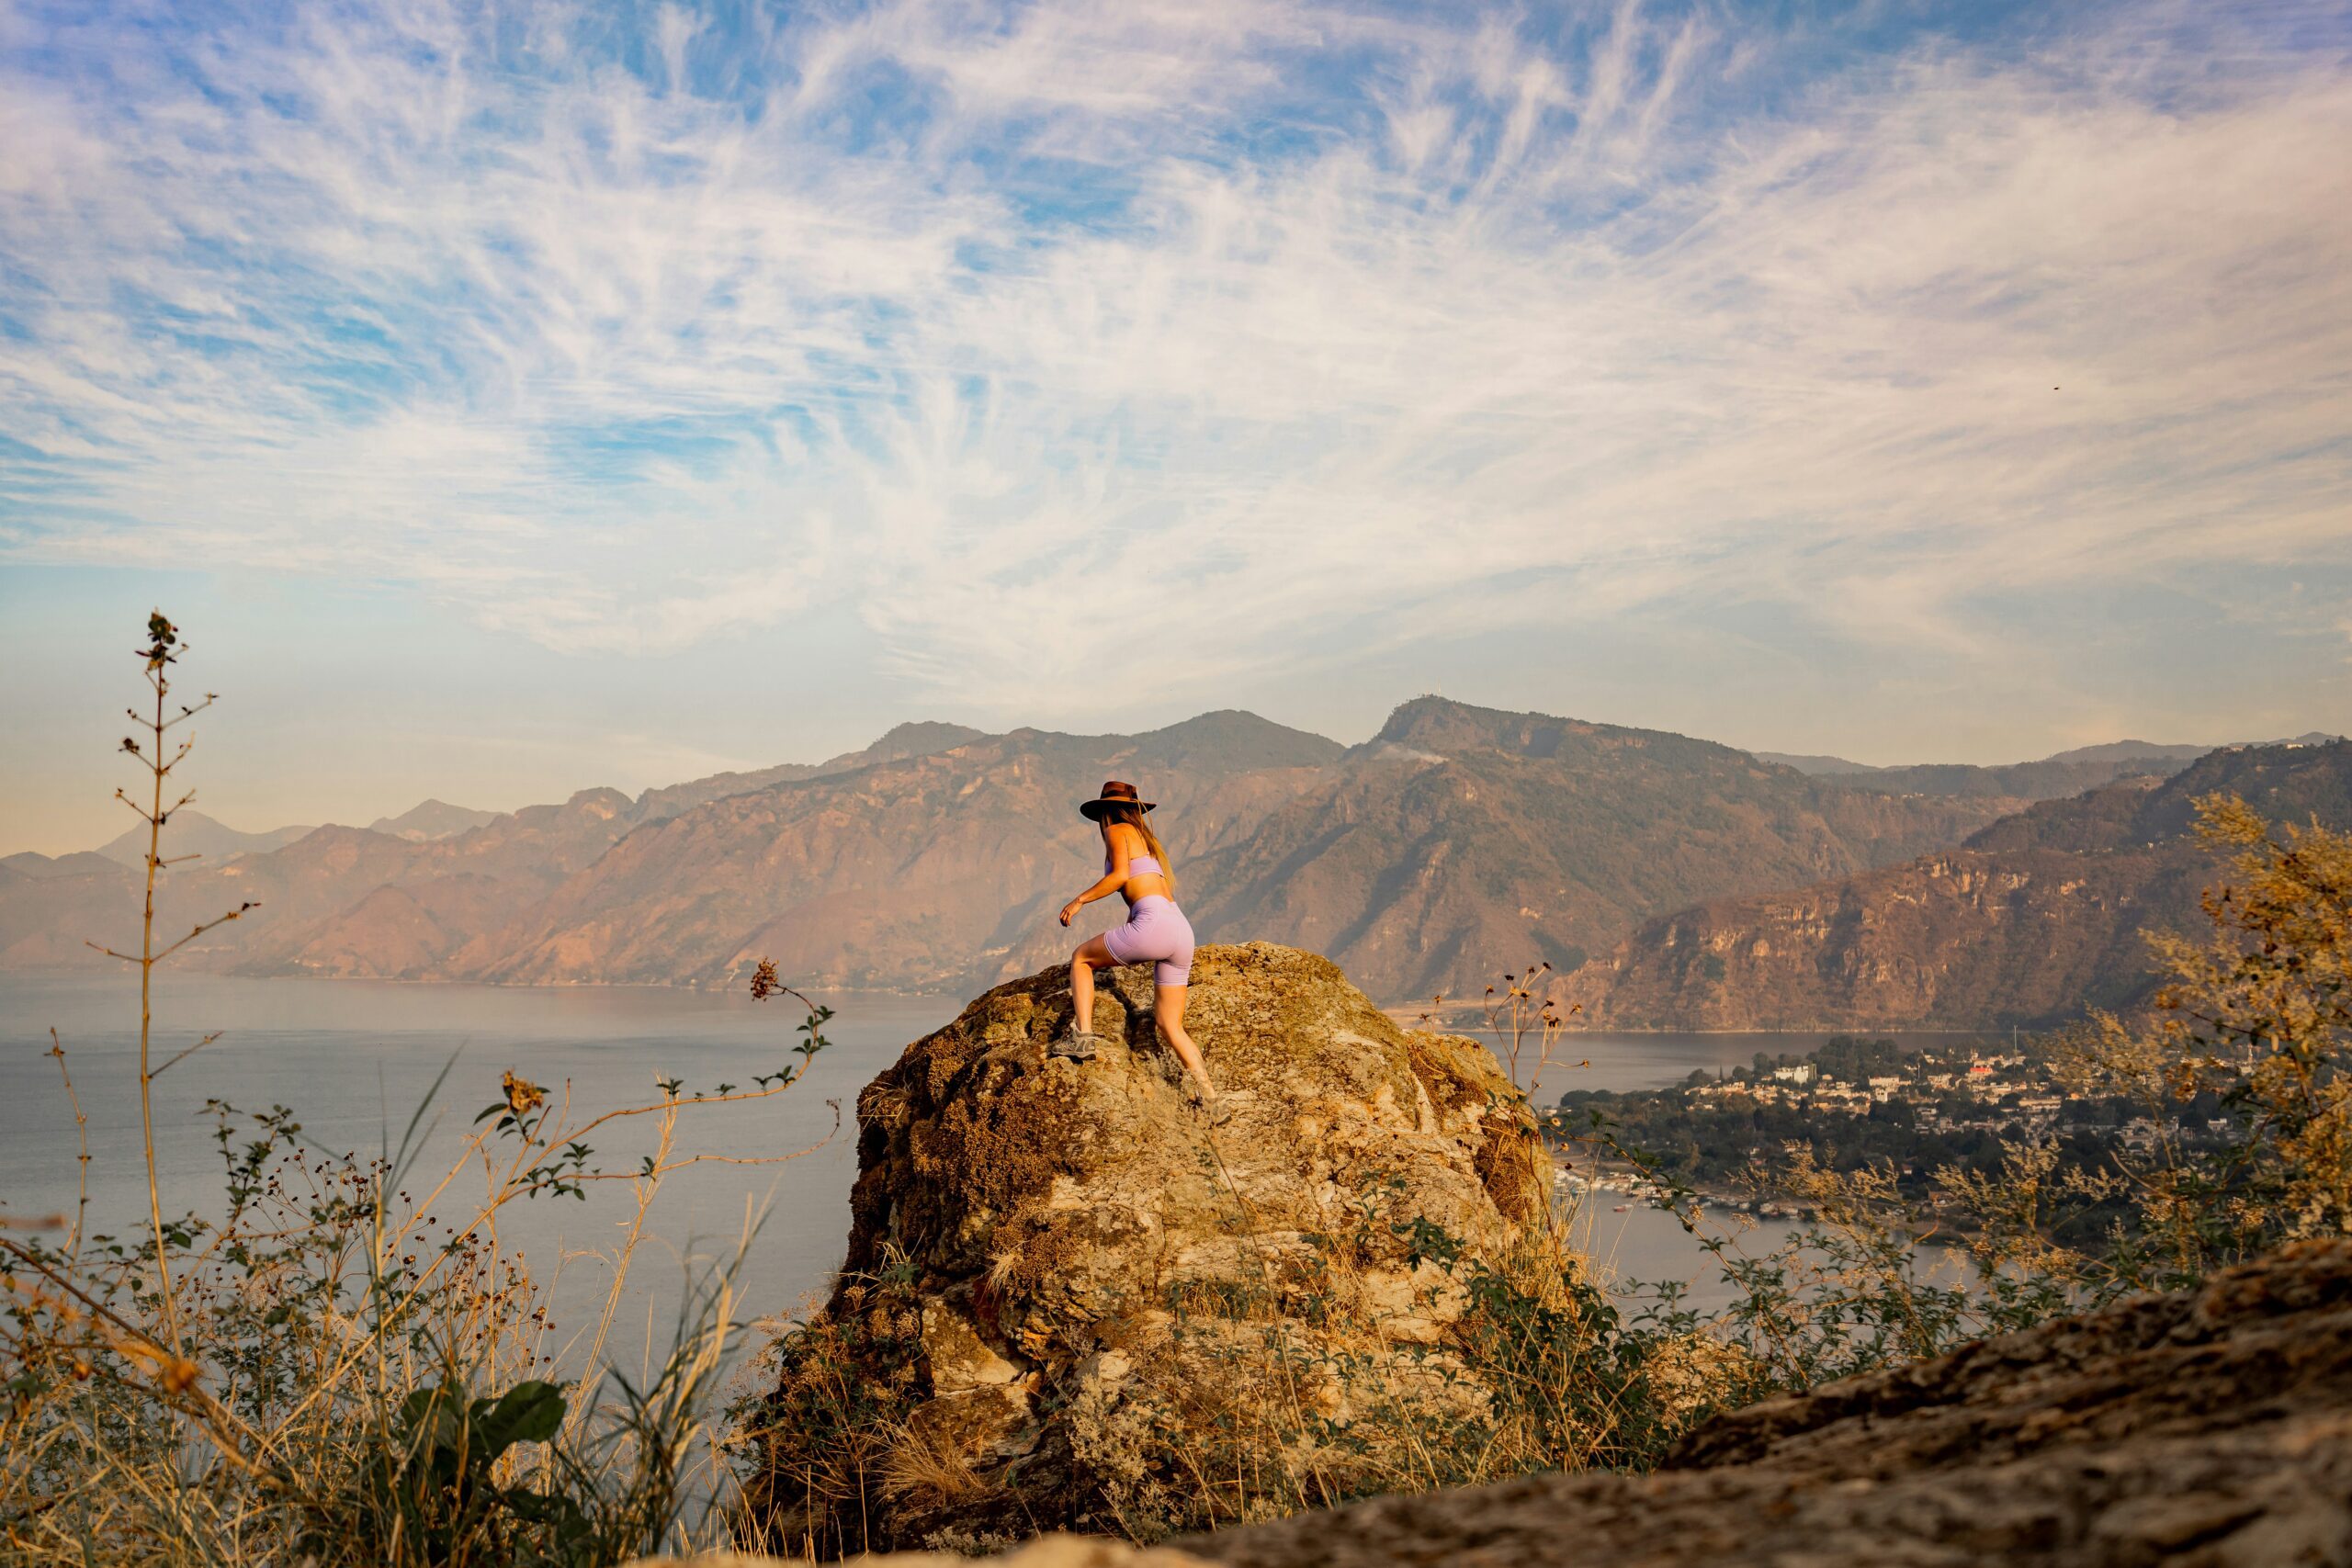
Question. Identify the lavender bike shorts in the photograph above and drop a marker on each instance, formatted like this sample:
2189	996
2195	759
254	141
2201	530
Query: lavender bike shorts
1156	932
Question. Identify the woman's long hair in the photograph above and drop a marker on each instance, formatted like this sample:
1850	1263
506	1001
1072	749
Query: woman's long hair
1134	817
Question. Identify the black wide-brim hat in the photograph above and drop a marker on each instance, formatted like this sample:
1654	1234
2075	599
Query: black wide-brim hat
1115	791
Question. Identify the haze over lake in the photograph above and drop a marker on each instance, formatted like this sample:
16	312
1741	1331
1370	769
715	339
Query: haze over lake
355	1059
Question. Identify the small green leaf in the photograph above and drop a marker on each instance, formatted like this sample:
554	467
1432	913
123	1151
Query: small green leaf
527	1413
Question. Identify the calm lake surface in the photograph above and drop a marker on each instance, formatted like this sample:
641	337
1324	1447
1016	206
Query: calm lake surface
354	1060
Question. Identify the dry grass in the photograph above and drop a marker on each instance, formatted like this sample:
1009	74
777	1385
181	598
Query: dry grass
929	1466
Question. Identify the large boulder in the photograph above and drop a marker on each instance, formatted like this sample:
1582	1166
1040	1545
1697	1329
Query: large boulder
1070	1300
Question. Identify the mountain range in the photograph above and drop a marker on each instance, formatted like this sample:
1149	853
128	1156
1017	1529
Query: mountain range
1454	844
194	833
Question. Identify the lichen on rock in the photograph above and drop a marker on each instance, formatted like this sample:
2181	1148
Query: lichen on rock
1070	1302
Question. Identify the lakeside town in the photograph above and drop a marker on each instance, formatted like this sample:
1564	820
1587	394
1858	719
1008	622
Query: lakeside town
1722	1137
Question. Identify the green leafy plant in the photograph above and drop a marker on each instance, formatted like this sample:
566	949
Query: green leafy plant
437	1480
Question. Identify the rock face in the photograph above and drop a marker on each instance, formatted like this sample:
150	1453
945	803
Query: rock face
2211	1427
1061	1278
2035	918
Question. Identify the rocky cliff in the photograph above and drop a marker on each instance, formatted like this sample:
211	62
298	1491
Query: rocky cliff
1066	1291
2033	919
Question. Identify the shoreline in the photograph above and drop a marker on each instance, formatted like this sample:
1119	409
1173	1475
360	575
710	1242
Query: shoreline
1404	1015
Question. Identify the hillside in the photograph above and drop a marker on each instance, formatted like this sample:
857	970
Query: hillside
2032	919
336	901
1457	842
390	900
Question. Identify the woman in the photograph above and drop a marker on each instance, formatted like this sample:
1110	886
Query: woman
1135	867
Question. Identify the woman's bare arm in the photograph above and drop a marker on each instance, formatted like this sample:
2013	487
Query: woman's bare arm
1109	882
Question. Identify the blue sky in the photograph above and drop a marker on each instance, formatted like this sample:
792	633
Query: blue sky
613	393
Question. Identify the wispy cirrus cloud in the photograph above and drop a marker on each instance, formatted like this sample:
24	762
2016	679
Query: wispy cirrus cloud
1303	327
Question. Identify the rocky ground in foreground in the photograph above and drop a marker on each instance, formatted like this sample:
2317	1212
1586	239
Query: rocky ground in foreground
2212	1428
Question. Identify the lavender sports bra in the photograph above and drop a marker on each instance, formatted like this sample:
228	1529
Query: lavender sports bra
1137	865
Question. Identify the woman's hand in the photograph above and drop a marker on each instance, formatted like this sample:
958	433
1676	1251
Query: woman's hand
1070	909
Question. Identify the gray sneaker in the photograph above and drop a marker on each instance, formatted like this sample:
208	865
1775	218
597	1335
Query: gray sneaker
1217	1107
1073	1046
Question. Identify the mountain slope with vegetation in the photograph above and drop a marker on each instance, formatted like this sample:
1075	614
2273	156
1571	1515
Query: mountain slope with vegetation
2032	920
1463	840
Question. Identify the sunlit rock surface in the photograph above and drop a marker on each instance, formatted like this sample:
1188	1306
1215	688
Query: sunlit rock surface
1057	1271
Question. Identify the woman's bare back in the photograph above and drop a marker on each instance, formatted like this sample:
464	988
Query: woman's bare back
1124	844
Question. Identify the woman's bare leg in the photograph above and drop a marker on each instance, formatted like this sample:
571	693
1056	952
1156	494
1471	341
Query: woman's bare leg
1167	1006
1091	955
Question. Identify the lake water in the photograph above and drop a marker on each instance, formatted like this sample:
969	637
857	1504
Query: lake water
355	1059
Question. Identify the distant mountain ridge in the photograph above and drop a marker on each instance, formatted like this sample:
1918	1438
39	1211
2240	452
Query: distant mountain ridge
191	832
431	820
919	738
2032	918
1454	843
2109	752
1419	871
2061	773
